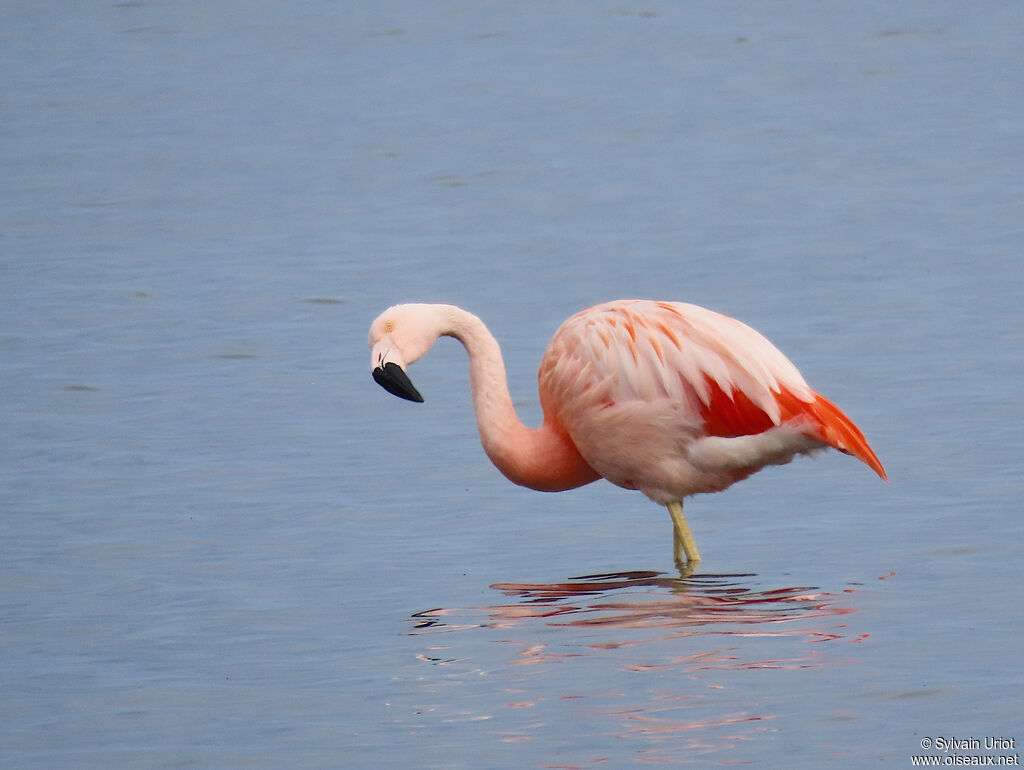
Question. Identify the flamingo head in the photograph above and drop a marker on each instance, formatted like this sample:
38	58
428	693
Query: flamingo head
400	336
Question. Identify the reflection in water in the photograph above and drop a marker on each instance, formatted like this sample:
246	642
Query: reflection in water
643	656
702	604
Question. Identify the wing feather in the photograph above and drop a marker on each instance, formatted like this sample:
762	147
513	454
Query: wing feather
652	350
719	371
677	372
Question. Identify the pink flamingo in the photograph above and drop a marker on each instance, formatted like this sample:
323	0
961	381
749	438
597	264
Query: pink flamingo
664	397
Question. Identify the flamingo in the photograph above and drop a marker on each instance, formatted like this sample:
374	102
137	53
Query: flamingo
667	398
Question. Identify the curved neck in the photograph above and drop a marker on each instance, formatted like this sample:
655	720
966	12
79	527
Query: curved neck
544	458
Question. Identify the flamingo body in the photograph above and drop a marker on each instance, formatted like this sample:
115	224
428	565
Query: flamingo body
674	400
664	397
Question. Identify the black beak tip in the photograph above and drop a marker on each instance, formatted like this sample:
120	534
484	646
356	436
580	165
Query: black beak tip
395	381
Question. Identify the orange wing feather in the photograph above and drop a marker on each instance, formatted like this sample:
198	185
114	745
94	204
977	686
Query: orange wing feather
839	431
734	415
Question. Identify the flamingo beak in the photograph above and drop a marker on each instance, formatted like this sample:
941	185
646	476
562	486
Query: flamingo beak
395	381
390	374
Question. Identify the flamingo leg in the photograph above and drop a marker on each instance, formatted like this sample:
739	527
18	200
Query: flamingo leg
683	542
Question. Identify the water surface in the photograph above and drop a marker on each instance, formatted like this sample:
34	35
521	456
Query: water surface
224	546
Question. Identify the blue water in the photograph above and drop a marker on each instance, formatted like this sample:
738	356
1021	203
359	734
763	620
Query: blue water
224	546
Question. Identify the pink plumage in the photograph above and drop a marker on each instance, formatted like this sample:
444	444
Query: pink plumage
649	390
664	397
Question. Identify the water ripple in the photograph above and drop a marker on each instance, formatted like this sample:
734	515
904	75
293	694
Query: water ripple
695	605
674	666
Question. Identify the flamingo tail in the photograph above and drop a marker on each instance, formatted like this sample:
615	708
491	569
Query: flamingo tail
838	430
734	414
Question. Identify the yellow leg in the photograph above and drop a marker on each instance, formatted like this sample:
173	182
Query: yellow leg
683	541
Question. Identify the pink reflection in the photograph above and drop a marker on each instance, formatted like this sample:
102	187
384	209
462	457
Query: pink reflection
688	641
701	604
723	606
727	605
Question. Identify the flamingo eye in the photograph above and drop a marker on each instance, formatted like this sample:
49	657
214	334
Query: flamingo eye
389	327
